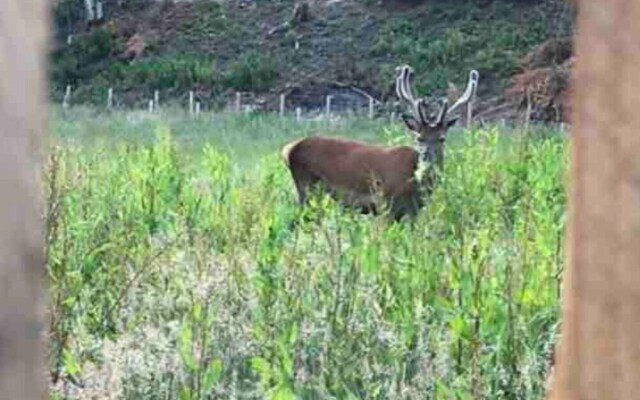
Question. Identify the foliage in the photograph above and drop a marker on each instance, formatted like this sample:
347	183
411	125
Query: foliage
489	40
252	72
69	65
180	269
216	46
166	72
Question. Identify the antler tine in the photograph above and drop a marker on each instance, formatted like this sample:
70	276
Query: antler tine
403	88
407	84
469	92
443	111
400	72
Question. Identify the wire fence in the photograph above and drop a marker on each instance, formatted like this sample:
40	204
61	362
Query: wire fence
335	107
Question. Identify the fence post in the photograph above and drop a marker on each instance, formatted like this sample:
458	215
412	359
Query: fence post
191	99
156	100
527	117
238	101
110	99
197	109
298	113
328	106
370	107
470	105
282	98
150	106
598	354
67	97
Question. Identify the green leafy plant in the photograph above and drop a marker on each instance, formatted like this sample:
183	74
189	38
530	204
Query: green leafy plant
180	265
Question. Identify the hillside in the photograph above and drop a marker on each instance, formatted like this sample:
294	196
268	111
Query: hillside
267	47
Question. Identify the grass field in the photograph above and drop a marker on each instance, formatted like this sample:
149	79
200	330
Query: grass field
175	272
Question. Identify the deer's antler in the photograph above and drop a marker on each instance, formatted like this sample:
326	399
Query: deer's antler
403	90
469	92
443	111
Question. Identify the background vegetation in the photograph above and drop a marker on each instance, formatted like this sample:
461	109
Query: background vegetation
177	270
215	47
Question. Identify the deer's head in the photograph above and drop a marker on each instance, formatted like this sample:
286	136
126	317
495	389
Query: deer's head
428	128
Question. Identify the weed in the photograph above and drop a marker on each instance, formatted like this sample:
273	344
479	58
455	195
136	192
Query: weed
175	271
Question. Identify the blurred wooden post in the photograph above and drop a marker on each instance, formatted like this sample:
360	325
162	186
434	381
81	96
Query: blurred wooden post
370	107
470	105
156	99
599	353
527	114
282	99
191	100
99	10
298	113
23	31
110	99
67	97
238	101
328	106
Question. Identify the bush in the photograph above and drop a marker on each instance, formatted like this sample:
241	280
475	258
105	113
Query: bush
78	61
195	275
252	72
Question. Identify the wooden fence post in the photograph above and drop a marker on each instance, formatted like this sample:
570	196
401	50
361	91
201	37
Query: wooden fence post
23	34
191	100
110	99
282	99
238	101
470	105
67	97
328	105
599	353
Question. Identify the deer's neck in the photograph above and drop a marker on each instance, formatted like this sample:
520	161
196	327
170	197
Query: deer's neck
430	161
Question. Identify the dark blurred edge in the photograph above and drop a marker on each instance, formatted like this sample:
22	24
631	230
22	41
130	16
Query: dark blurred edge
23	34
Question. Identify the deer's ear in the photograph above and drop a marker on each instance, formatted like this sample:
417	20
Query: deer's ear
411	123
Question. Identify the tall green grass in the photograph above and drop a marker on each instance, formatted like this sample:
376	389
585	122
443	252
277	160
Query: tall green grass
176	272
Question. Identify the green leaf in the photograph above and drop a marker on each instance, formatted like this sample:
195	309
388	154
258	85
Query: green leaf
283	392
262	368
457	325
70	364
185	346
185	394
212	375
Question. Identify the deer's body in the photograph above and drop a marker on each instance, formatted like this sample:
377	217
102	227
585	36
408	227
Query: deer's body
361	174
357	173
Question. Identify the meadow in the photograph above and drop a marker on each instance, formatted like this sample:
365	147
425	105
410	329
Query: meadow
175	272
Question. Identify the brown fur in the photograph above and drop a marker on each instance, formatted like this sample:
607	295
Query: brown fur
354	171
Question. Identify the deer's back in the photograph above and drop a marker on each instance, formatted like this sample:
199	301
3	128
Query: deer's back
356	165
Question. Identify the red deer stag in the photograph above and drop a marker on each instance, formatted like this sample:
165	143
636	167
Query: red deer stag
360	174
